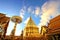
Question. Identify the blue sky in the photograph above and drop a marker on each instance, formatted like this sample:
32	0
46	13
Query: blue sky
25	9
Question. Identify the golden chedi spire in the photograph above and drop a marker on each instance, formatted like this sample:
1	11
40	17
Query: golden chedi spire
31	23
31	30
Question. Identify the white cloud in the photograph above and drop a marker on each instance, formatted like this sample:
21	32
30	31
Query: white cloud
37	10
22	12
8	15
29	9
48	9
34	10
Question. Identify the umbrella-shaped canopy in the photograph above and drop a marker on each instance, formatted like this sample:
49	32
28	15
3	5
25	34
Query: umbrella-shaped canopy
17	19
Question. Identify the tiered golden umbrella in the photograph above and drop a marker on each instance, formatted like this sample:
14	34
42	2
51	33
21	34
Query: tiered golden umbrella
16	20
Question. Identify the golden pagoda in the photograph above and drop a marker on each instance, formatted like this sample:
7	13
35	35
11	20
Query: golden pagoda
31	30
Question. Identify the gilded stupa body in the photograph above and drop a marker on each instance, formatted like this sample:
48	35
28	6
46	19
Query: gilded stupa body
31	30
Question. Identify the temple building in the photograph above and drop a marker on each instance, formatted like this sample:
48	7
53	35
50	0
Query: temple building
54	29
31	30
4	21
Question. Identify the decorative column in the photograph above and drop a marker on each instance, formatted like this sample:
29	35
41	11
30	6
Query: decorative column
16	20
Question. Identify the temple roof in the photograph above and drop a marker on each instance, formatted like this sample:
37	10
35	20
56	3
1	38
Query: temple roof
55	19
2	15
